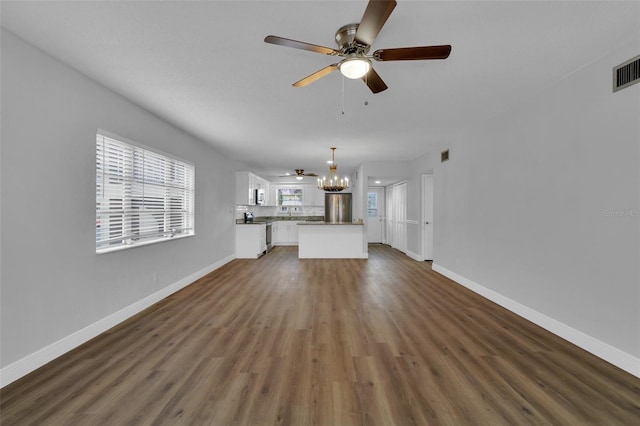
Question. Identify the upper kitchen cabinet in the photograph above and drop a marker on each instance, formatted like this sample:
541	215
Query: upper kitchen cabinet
269	199
245	188
247	185
313	196
265	187
276	194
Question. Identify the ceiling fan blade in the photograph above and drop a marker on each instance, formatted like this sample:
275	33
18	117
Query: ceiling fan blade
375	15
413	53
373	80
316	76
299	172
280	41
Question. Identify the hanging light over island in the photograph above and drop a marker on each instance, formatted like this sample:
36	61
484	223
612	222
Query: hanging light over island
334	183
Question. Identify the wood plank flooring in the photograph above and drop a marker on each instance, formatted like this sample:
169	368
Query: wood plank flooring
383	341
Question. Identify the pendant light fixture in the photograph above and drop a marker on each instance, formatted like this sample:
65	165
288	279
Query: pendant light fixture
334	183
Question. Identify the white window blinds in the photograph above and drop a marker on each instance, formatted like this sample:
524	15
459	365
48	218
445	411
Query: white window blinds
141	196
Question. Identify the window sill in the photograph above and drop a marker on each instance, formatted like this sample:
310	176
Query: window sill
140	244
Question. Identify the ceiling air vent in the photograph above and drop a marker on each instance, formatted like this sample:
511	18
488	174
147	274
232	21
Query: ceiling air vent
626	74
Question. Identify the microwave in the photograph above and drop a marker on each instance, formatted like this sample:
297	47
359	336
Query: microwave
259	196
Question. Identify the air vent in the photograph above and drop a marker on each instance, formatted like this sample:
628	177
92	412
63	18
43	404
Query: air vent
626	74
444	156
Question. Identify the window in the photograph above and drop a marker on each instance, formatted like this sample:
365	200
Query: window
372	204
141	196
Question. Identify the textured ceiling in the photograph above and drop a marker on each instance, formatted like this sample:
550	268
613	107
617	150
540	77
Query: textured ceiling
203	66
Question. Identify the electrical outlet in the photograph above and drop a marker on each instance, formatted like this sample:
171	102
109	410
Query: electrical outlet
156	277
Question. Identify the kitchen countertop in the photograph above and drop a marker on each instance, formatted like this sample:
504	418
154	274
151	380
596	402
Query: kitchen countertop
287	218
321	222
263	219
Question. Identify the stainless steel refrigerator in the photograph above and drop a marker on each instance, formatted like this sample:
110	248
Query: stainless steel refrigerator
337	207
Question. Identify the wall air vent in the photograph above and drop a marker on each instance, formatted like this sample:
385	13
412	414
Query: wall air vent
626	74
444	156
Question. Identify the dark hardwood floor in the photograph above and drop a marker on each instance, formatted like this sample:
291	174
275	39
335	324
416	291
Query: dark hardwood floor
278	340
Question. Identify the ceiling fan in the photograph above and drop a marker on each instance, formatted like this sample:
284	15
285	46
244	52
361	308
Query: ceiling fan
354	42
300	174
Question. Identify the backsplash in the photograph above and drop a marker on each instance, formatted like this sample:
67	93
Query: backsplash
259	211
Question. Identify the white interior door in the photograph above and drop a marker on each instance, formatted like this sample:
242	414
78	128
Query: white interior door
389	215
400	216
427	217
375	214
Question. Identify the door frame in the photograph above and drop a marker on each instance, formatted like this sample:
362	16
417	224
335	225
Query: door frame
388	215
423	225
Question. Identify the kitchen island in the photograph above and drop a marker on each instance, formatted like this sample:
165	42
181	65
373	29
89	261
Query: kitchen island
324	240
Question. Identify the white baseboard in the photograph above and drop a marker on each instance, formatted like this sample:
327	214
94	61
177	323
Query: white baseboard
26	365
590	344
414	256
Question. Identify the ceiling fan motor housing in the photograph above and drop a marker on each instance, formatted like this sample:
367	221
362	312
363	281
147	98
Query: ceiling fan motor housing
345	38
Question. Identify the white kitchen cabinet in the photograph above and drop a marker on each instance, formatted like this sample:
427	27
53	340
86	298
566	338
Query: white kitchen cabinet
273	194
246	185
285	232
245	188
265	185
251	240
313	196
277	234
293	233
320	197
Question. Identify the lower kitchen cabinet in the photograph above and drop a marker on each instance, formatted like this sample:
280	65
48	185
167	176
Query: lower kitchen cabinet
251	241
285	233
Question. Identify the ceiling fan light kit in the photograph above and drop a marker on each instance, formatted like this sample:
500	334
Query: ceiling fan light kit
354	42
354	67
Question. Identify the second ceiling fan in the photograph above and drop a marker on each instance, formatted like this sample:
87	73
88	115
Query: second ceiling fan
300	174
354	42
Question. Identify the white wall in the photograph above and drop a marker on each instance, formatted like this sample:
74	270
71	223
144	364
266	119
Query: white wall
358	188
528	205
53	284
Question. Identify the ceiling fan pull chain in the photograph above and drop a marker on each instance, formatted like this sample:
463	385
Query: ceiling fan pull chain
342	95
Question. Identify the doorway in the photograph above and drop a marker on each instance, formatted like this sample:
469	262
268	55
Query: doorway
396	212
375	214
